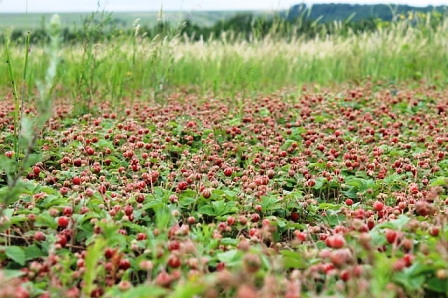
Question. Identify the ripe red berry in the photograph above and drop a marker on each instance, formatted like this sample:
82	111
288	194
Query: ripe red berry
242	220
335	241
255	217
63	190
228	172
345	275
141	236
391	236
90	151
128	210
36	170
182	185
21	292
173	245
140	198
124	264
378	206
39	236
68	211
311	182
77	162
76	181
301	236
61	240
63	222
434	231
295	216
163	280
349	202
408	259
89	192
399	265
174	261
206	193
191	220
109	253
220	266
230	220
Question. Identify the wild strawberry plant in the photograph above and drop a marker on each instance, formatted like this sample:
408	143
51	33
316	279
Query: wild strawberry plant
327	193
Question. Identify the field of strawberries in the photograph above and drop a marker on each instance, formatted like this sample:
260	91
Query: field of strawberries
337	192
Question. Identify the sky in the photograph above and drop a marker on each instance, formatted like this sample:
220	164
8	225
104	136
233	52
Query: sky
184	5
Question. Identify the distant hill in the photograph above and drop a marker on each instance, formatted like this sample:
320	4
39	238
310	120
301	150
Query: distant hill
340	12
121	19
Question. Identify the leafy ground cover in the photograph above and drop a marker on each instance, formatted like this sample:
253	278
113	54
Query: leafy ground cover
333	192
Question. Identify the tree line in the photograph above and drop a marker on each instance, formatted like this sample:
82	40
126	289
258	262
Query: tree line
300	21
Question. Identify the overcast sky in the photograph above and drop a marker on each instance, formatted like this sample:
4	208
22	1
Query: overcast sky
185	5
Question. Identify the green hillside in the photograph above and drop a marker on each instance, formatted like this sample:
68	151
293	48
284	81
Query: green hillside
331	12
123	19
323	12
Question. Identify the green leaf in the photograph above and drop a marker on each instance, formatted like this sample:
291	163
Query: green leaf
397	224
411	282
49	190
328	206
33	252
8	212
394	179
420	268
190	289
45	220
142	292
26	135
437	285
152	205
219	207
105	144
269	203
439	181
228	256
292	259
17	219
184	202
9	274
207	210
34	158
92	258
319	183
15	253
230	193
321	244
54	200
378	237
7	164
228	241
138	228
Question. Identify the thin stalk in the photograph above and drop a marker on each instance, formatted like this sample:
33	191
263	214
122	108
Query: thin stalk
15	95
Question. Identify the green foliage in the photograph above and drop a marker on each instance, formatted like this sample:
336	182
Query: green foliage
93	255
25	140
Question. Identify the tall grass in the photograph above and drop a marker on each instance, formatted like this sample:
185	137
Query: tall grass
27	130
128	65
